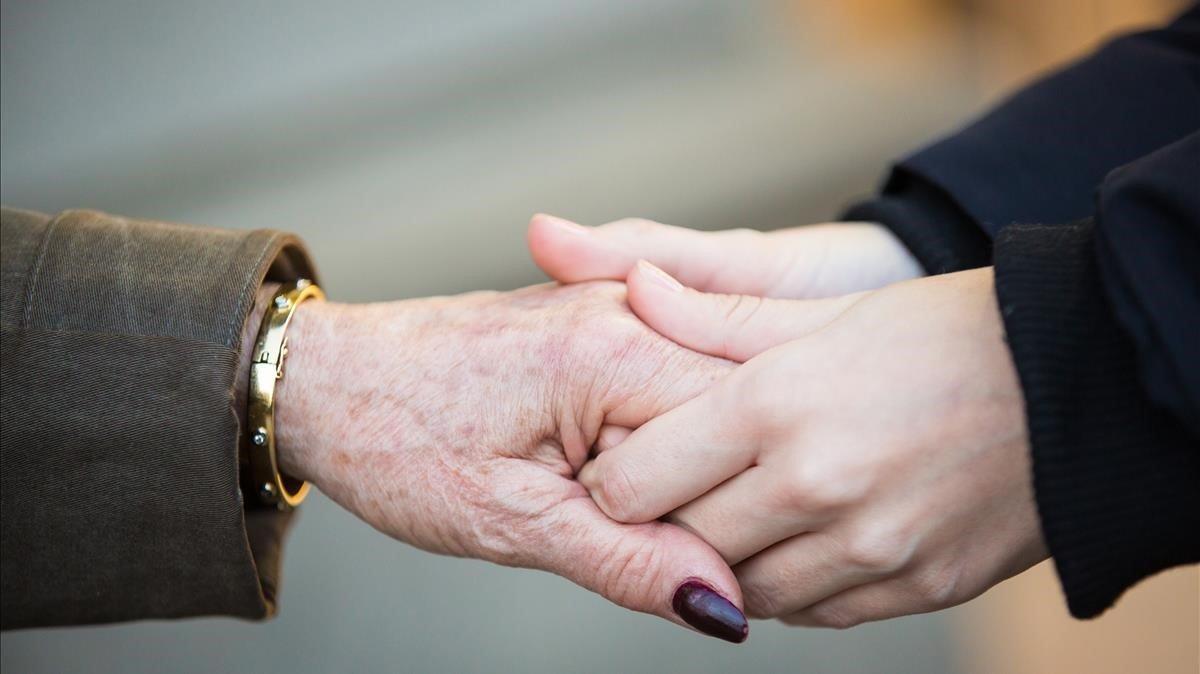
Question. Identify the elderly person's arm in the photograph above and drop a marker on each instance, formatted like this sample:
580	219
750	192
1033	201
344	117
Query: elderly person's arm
119	431
455	424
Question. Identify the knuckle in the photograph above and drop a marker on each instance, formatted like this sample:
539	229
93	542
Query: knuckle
936	587
618	495
878	551
817	485
614	336
795	496
763	404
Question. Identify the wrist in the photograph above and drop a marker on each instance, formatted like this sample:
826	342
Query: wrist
331	381
841	258
311	349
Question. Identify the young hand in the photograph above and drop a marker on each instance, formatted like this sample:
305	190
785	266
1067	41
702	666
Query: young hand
869	460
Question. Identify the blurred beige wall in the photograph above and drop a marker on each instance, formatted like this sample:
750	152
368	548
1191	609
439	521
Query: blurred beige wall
1007	43
1020	40
1022	626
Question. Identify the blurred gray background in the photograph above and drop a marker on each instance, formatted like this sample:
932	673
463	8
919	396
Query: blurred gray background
408	143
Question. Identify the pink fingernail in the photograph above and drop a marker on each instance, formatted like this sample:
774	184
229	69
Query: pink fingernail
565	225
659	277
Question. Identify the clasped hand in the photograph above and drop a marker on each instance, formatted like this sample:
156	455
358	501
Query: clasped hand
866	459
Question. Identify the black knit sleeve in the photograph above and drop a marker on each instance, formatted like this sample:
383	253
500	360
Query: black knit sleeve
1038	156
1103	318
927	220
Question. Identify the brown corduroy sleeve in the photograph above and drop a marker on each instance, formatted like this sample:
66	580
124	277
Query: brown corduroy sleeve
118	430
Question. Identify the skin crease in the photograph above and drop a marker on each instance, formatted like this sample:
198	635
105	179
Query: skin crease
456	424
868	461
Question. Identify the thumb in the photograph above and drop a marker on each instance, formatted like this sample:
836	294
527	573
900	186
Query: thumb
737	327
732	261
655	568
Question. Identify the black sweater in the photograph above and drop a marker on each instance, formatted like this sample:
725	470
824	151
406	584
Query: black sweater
1084	191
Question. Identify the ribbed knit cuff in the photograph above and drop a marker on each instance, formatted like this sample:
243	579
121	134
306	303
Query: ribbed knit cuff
1115	477
939	234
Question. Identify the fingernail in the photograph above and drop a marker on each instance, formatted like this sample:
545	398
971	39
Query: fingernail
701	607
660	278
565	225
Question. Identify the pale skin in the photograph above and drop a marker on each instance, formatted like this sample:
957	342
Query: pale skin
869	460
814	261
457	424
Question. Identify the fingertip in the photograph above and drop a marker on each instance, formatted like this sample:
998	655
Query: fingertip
663	303
569	252
709	612
552	223
538	230
644	291
648	272
704	591
655	567
548	238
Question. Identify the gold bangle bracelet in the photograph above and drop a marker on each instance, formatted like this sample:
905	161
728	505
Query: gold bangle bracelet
272	487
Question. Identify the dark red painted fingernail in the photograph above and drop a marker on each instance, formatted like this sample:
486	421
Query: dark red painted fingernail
701	607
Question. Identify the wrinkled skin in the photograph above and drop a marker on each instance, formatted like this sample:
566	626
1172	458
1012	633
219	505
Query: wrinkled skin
457	424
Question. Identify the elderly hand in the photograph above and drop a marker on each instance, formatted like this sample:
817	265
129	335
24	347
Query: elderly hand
869	460
457	424
813	261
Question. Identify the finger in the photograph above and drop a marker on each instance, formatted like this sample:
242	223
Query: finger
732	261
610	436
890	598
745	515
655	568
798	573
670	460
737	327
